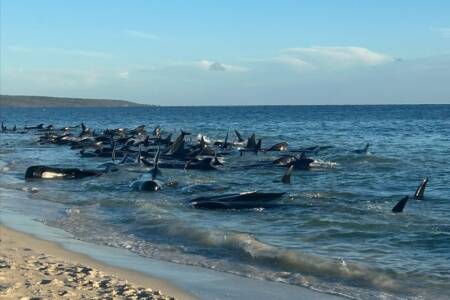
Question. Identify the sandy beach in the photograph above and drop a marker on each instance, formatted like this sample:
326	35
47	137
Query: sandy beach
35	269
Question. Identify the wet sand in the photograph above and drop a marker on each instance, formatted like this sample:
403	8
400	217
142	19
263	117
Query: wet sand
31	268
26	243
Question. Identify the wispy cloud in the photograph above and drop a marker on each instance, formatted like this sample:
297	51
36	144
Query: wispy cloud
318	57
295	62
443	31
66	78
61	51
89	54
219	67
141	34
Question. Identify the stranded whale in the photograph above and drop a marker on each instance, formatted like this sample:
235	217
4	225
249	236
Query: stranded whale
237	201
45	172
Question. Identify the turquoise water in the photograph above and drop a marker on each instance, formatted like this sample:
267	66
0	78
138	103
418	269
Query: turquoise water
335	230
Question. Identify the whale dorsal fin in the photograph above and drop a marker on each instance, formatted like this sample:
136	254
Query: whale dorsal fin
155	171
251	142
113	154
239	136
421	189
258	145
398	208
225	143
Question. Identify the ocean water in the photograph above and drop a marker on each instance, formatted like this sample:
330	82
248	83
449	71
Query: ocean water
335	231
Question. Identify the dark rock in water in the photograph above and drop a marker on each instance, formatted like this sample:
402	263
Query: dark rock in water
237	201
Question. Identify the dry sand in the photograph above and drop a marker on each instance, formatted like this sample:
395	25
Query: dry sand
35	269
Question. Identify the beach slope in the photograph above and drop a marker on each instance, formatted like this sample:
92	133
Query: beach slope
38	269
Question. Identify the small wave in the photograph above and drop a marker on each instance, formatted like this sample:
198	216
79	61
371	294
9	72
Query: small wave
369	158
248	249
318	163
197	188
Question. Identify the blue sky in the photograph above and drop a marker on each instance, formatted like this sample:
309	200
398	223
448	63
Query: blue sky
228	52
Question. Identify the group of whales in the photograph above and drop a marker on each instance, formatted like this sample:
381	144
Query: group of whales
137	146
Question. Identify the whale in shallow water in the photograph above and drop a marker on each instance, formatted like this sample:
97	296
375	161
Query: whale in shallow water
419	194
286	179
150	185
239	136
177	148
364	150
300	162
45	172
283	146
146	185
237	201
205	164
40	126
398	208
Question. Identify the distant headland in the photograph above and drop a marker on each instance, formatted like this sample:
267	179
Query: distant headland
44	101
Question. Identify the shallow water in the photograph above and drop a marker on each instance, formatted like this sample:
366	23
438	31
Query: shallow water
335	230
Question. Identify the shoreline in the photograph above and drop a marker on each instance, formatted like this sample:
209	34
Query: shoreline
177	280
31	267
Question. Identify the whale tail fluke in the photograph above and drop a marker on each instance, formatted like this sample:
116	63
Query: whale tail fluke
286	179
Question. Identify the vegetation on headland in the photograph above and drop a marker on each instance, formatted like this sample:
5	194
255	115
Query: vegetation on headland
44	101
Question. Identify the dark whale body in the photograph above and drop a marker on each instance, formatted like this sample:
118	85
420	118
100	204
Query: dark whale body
237	201
45	172
398	208
146	185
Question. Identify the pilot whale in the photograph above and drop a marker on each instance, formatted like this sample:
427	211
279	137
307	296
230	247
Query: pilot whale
243	200
364	150
45	172
150	185
419	194
398	208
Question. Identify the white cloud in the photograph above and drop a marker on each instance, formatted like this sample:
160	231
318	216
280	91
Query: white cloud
141	34
317	57
123	74
443	31
217	66
297	63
